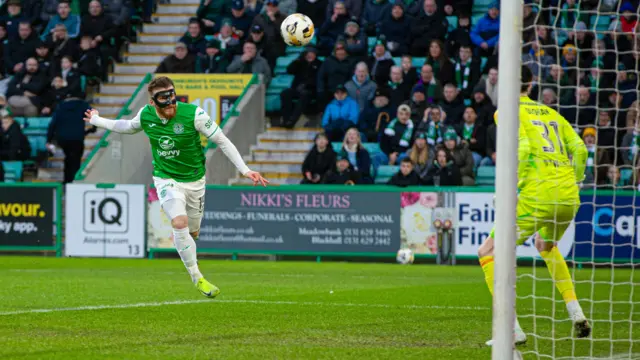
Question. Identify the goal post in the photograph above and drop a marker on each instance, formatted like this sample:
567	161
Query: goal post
507	178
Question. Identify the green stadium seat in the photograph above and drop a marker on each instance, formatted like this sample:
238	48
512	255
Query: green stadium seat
283	61
272	103
337	146
486	175
12	171
453	23
416	62
476	17
372	147
626	175
381	180
371	41
279	83
481	6
291	50
38	144
34	122
483	63
387	170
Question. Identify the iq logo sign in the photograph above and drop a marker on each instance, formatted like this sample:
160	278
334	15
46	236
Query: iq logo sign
106	211
105	221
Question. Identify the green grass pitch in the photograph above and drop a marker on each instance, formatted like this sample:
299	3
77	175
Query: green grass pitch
148	309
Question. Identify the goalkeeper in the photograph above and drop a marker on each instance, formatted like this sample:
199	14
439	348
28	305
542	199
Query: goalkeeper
174	129
548	196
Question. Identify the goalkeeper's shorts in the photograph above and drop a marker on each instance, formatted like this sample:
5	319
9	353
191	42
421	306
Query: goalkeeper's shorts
550	221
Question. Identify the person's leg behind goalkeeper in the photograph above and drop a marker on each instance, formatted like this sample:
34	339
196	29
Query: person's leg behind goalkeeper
183	203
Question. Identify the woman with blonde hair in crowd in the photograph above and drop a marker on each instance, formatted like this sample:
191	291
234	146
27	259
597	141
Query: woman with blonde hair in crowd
421	155
357	155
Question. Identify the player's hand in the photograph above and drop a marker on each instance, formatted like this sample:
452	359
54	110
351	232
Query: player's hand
256	178
89	114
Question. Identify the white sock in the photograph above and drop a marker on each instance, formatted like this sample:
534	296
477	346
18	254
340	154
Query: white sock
187	250
516	325
574	309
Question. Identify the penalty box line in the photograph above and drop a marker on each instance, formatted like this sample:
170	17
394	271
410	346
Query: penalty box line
239	301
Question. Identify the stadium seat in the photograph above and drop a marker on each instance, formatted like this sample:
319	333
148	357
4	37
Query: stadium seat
476	17
416	62
486	175
279	83
385	172
371	41
336	146
294	50
38	144
481	6
372	147
388	170
282	62
272	103
483	63
34	122
12	171
626	175
453	23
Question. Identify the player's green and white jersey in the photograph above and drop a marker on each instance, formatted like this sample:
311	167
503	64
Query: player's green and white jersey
175	143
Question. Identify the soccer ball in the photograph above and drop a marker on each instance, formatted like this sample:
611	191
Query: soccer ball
297	30
405	256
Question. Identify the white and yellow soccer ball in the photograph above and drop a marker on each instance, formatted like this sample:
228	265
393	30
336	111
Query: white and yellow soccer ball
405	256
297	30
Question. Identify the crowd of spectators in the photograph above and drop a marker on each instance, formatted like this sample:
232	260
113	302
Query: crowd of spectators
436	121
48	56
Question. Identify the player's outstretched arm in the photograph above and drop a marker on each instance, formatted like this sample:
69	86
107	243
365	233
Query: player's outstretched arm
205	125
120	126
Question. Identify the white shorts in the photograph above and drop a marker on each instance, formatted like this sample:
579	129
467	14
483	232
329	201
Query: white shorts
179	198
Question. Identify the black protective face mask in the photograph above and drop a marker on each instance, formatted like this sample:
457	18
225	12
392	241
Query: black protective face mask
169	95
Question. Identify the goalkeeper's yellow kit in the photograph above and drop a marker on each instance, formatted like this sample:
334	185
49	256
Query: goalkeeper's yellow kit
547	180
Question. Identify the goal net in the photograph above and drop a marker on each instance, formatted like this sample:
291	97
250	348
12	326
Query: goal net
585	57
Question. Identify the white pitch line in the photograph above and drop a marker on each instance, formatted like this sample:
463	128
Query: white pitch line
239	301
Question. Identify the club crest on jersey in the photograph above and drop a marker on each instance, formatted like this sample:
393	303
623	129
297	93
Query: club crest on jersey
178	128
166	143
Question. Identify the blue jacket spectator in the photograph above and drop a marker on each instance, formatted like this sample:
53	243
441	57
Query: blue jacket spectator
375	11
341	114
64	16
486	33
395	28
13	18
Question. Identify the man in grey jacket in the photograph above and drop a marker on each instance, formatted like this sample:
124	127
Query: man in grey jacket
360	87
250	63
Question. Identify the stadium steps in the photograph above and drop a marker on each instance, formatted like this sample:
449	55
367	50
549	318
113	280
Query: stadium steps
135	68
172	19
159	38
122	88
133	58
188	9
103	98
162	28
279	154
